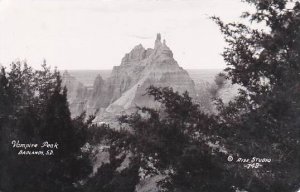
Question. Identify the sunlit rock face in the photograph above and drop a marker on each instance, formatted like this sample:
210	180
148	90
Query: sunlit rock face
143	68
126	87
77	94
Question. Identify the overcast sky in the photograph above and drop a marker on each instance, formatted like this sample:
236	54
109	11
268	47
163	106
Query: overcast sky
95	34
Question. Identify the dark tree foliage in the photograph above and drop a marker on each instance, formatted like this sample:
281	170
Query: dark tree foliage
187	147
6	93
220	81
175	142
109	178
263	121
113	176
34	109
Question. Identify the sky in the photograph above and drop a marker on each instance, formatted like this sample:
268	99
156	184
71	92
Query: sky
96	34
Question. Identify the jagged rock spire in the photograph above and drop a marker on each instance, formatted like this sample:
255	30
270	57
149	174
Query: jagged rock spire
158	41
158	37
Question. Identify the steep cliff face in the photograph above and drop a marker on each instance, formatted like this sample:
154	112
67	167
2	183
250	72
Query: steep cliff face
122	78
155	67
77	94
125	88
98	97
128	73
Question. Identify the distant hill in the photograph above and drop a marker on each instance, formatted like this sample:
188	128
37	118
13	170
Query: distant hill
87	77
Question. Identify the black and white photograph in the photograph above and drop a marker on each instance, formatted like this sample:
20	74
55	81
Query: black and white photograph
149	96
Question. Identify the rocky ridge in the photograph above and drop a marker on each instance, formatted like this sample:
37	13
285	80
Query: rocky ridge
125	88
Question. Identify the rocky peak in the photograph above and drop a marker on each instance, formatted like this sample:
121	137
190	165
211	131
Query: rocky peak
159	69
98	80
77	93
157	41
125	88
137	54
161	49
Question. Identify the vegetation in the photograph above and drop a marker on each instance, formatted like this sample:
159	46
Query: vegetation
263	120
186	148
34	109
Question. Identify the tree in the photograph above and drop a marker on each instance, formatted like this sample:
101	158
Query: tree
263	120
220	81
36	110
5	93
68	164
174	142
110	178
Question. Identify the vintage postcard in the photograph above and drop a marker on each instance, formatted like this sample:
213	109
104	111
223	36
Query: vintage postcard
149	96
